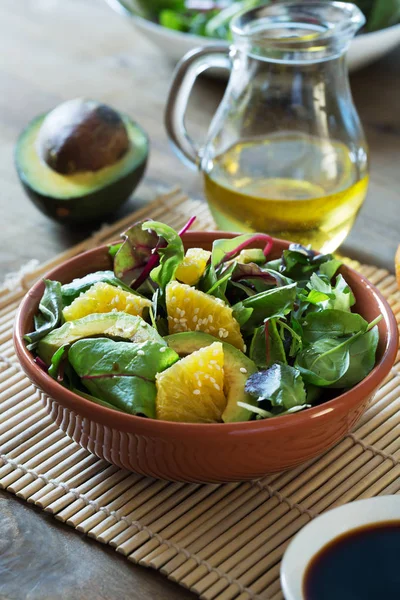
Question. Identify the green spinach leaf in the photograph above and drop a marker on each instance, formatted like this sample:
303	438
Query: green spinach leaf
121	373
276	302
70	291
362	353
326	361
266	347
49	314
331	323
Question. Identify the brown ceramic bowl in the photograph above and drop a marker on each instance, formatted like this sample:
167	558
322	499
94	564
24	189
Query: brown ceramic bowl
201	452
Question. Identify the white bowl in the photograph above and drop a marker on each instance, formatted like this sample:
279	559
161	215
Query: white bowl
364	50
314	536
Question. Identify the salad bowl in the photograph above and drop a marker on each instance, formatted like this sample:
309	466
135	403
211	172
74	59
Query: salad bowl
199	452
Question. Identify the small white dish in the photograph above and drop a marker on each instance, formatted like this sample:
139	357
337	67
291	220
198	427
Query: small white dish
324	529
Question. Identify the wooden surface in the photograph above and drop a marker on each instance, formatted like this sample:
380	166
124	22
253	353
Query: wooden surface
53	50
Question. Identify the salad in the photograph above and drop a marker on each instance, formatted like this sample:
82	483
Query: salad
203	336
211	18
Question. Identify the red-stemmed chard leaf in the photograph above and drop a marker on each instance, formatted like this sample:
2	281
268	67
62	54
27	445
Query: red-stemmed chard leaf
134	254
145	243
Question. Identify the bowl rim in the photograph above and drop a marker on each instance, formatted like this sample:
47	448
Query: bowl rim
119	7
324	529
120	419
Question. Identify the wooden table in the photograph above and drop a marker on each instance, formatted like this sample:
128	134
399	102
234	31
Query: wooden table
53	50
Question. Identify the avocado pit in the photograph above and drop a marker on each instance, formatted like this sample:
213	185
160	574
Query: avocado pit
82	135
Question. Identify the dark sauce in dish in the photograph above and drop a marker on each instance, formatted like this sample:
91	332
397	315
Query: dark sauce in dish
362	564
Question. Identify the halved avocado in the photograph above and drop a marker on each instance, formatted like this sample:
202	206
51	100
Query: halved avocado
117	325
81	161
237	369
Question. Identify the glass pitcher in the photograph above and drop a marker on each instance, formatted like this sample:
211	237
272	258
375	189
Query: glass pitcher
285	152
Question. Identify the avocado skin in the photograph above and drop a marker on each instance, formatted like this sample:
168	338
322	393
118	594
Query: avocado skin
191	341
90	207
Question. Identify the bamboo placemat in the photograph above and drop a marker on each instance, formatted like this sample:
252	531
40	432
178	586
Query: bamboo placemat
223	542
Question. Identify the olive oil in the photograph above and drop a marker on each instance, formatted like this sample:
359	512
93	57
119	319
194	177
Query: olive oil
292	186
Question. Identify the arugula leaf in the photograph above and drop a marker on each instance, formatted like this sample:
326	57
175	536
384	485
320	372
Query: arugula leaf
331	323
326	361
325	296
49	314
330	267
362	359
70	291
134	254
171	252
281	385
266	347
122	373
276	302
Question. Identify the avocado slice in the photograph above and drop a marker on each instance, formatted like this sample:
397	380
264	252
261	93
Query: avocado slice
235	379
80	195
114	325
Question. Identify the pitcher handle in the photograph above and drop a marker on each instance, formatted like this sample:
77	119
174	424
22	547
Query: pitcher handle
187	70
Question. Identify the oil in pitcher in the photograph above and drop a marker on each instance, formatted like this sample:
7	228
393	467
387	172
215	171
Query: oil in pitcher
251	187
285	153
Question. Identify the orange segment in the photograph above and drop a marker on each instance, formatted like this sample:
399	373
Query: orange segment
191	391
192	266
191	310
104	298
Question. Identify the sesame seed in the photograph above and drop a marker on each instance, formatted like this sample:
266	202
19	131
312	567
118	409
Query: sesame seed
182	313
196	311
212	380
213	362
244	348
186	300
217	387
221	333
176	320
210	318
140	352
215	352
163	349
218	367
182	321
226	333
194	319
173	299
201	363
196	392
212	328
243	370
